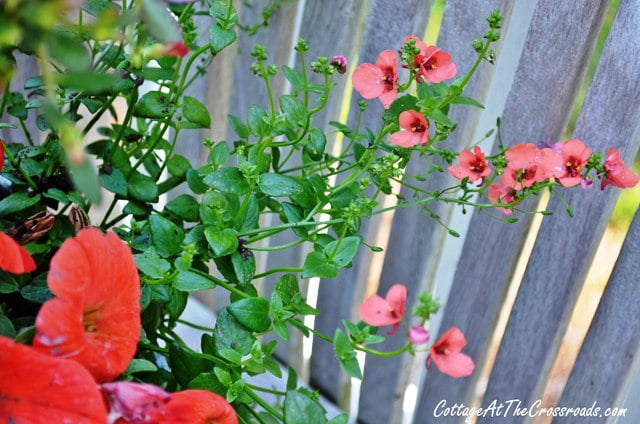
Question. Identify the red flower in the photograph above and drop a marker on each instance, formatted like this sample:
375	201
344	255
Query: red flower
13	257
445	353
502	193
95	318
575	156
379	80
527	165
413	130
379	312
134	403
176	49
433	65
472	165
616	173
40	389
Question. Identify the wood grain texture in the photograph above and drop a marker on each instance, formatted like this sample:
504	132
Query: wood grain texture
555	272
537	106
26	67
413	251
385	28
609	357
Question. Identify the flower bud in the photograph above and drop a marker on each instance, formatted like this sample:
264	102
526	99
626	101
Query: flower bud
340	63
418	335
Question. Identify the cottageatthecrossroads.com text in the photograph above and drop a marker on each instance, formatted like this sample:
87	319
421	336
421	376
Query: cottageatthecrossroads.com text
516	408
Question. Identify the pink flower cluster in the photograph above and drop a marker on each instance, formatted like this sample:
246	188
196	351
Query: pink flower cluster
445	353
526	164
380	80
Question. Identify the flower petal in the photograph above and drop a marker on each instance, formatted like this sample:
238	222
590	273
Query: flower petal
199	407
13	257
41	389
405	138
455	364
367	80
397	297
376	311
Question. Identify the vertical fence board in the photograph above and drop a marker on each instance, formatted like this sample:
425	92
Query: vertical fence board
538	320
328	33
602	373
385	28
537	106
414	240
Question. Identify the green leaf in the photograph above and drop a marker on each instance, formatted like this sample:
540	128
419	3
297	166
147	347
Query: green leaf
97	7
292	379
317	143
17	202
115	182
85	180
166	236
301	409
294	110
339	419
178	166
154	105
347	249
400	105
159	21
317	265
287	287
252	312
278	185
151	264
208	381
184	207
220	38
6	327
231	335
258	121
188	282
89	82
345	354
240	128
140	365
196	113
438	116
221	153
195	183
222	242
186	365
228	180
244	266
461	100
68	50
143	188
294	77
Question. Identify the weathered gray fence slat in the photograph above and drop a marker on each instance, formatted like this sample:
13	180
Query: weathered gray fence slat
328	33
385	28
555	271
537	106
412	251
26	67
233	88
610	354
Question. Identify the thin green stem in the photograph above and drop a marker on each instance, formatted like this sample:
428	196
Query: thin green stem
196	326
277	270
257	399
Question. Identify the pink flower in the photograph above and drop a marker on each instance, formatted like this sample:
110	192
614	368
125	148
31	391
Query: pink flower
418	335
616	173
527	165
445	353
134	402
413	129
502	193
379	312
472	165
379	80
340	63
433	65
575	156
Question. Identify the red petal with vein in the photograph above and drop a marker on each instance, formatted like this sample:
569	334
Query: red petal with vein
95	319
41	389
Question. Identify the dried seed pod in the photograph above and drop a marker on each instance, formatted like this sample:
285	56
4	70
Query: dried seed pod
78	218
32	228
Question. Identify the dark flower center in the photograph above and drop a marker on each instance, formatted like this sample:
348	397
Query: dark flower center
89	318
573	167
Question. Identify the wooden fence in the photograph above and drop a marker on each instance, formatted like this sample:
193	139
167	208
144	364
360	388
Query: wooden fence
542	57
